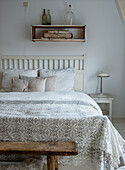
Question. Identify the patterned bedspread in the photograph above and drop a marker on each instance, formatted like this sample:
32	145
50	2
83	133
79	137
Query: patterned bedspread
53	116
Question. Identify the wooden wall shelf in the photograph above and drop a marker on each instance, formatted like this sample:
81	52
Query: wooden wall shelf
78	32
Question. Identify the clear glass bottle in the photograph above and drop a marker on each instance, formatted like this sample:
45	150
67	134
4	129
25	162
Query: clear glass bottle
48	17
69	17
44	17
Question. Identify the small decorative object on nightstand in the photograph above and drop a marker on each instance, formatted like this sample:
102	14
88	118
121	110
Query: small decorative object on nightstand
104	100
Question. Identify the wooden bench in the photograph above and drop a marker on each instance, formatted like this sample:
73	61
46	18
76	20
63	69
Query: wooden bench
51	149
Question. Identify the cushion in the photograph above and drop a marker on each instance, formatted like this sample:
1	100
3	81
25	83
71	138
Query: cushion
19	85
14	73
64	78
37	85
50	81
29	85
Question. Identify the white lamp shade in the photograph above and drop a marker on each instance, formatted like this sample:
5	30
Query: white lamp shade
103	75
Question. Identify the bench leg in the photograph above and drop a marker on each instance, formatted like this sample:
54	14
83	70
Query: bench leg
56	163
52	162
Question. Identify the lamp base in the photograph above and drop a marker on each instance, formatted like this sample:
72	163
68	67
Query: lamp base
101	95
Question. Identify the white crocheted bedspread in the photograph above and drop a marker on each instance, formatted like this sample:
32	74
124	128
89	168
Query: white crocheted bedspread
53	116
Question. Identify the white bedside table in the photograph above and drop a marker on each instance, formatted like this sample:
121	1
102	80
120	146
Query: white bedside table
107	100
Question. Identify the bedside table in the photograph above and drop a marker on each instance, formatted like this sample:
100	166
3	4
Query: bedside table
104	100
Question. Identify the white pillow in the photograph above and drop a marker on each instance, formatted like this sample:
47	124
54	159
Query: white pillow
9	74
64	78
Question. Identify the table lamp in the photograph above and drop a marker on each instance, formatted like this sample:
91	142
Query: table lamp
102	75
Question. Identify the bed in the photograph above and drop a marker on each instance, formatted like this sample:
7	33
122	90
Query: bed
67	115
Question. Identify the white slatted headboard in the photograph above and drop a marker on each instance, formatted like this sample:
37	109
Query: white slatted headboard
49	62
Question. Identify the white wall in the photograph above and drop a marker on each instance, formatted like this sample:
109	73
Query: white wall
104	44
